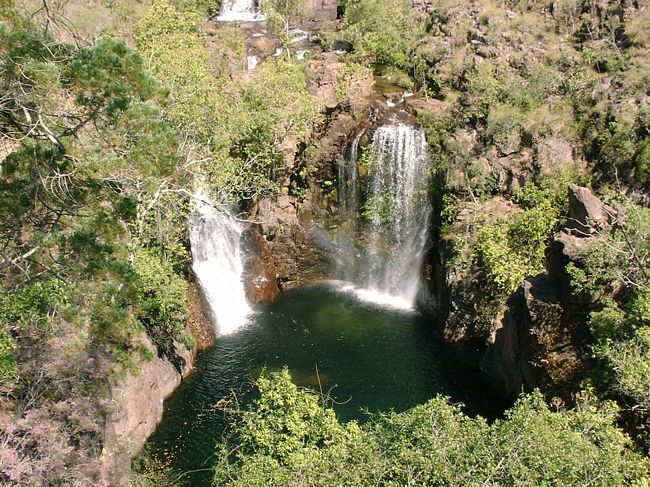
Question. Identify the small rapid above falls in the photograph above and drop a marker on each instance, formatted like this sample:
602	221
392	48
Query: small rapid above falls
394	206
217	263
239	10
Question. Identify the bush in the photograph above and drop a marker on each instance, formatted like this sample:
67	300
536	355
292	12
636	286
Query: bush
513	247
162	301
381	31
290	437
8	364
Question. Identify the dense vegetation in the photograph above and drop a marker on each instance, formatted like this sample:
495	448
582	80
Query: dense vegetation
103	146
290	437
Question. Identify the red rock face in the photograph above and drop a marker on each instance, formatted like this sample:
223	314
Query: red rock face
260	274
321	11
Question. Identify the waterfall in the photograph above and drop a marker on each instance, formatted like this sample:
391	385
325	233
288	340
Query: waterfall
252	62
395	213
217	263
239	10
348	175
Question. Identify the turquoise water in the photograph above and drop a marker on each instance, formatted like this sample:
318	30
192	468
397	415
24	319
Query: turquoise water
365	356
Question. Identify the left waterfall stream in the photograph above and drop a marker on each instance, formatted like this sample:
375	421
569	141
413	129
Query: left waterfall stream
218	265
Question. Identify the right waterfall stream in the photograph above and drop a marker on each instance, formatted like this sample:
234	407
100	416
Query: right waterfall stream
383	194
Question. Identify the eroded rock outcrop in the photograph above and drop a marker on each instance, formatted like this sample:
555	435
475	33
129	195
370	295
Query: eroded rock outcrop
531	340
136	407
542	338
283	252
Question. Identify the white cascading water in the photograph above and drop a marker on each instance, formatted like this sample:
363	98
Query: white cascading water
217	264
239	10
348	175
252	62
397	212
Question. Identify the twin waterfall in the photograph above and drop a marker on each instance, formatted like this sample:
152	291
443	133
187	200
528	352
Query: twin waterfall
217	264
381	246
392	200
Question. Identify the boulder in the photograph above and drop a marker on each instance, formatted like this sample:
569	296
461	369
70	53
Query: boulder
550	154
320	12
587	215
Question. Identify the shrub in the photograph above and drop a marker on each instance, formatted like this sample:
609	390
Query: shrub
513	247
162	301
8	364
290	437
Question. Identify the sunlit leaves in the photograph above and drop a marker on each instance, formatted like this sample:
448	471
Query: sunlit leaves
289	437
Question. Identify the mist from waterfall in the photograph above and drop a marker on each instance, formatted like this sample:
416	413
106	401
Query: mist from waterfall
393	202
239	10
217	264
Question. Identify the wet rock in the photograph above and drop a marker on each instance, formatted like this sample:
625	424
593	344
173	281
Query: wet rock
260	273
283	252
342	46
198	322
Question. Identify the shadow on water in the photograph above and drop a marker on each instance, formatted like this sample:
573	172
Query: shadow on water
367	357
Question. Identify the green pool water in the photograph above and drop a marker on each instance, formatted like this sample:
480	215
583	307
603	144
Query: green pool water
366	356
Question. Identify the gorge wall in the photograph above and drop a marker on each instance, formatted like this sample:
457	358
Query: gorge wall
136	400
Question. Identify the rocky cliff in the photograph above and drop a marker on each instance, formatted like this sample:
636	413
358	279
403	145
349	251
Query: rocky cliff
136	398
539	335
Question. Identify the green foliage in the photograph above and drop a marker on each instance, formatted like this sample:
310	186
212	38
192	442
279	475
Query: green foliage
289	432
513	247
504	128
282	15
169	39
240	126
643	161
8	364
107	77
623	254
504	267
352	73
273	109
438	131
91	156
32	305
378	209
623	346
161	299
380	31
289	437
284	421
618	259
